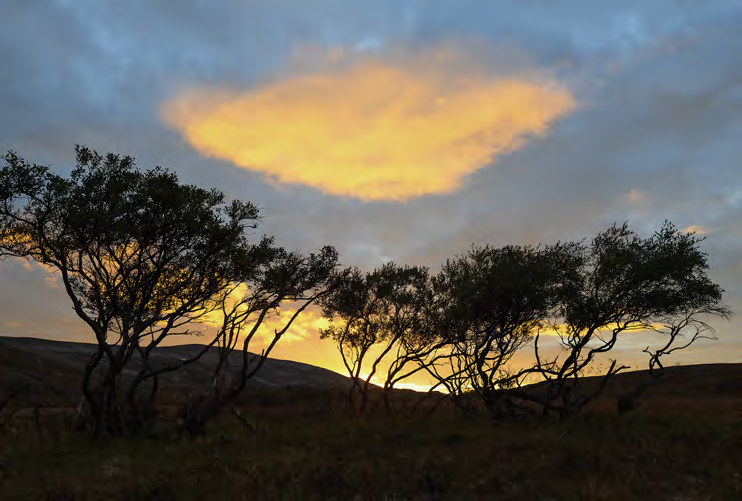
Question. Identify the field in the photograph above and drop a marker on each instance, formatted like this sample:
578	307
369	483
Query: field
312	449
684	442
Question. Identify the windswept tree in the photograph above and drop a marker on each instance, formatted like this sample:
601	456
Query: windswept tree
376	323
619	283
275	284
677	332
141	256
489	303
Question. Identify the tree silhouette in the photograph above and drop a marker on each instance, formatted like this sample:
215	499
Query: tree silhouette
489	303
272	278
622	282
142	258
378	314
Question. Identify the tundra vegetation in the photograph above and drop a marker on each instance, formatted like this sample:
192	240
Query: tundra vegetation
508	335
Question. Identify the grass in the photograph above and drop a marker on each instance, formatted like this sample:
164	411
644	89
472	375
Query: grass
319	452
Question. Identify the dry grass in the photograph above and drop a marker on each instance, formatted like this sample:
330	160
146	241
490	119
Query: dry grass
311	449
683	443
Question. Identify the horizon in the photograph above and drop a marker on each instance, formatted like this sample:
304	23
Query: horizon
379	382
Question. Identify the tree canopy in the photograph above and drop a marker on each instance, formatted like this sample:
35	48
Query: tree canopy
486	308
143	257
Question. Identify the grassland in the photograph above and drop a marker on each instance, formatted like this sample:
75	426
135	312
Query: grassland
684	442
311	448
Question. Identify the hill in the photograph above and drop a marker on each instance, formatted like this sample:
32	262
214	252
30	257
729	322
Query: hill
679	444
713	390
53	370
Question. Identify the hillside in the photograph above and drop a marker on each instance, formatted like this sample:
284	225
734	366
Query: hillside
713	390
683	443
53	370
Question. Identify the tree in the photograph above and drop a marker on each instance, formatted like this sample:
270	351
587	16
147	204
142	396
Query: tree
678	332
620	283
380	310
272	277
141	256
489	303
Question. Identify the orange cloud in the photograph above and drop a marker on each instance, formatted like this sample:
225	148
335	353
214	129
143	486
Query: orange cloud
306	326
51	278
554	331
695	228
374	128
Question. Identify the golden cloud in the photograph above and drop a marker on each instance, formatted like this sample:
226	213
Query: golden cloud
374	128
51	278
695	228
556	330
306	325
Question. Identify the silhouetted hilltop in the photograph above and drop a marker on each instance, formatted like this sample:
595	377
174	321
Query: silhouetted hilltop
53	369
703	389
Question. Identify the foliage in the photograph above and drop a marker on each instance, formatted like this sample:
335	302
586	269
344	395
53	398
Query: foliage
142	257
488	304
470	320
277	277
622	282
382	308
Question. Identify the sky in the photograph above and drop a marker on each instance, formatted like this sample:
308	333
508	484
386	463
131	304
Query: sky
402	130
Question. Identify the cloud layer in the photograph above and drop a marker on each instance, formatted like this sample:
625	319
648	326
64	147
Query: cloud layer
374	128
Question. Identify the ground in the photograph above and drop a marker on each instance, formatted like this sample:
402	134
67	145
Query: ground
319	451
683	442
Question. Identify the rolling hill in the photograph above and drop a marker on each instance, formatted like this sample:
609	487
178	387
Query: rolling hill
52	370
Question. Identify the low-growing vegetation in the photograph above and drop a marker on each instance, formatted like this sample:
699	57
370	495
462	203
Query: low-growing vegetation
289	447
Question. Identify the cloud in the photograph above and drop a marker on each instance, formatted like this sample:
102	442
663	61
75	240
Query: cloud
634	197
563	329
50	273
32	303
374	128
698	229
305	327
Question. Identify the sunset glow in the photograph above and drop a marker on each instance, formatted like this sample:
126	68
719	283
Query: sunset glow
695	228
373	129
306	325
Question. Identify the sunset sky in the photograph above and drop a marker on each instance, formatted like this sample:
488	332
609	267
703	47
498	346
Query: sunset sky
394	129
